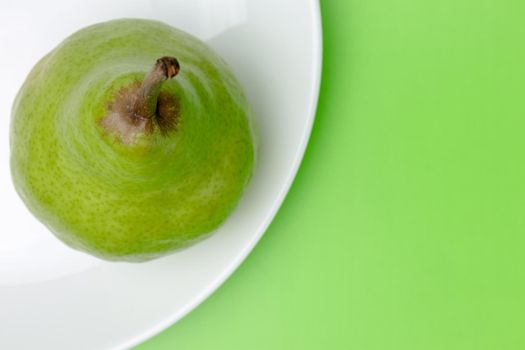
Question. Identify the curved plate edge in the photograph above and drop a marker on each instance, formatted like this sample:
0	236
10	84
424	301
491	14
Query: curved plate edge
217	282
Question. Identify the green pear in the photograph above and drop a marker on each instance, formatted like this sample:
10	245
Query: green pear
131	139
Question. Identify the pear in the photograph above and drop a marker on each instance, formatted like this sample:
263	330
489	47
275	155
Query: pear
130	140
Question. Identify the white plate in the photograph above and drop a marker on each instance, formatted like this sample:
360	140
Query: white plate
52	297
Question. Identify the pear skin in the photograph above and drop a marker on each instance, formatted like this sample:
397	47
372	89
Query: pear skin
130	140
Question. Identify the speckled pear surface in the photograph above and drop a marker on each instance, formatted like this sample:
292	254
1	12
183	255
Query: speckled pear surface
141	196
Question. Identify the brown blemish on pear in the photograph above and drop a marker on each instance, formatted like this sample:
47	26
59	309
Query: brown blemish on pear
140	108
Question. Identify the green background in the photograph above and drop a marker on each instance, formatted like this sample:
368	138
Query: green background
405	226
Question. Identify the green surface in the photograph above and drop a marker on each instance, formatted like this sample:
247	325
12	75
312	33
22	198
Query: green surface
405	227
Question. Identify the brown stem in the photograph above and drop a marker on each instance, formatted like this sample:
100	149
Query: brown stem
145	105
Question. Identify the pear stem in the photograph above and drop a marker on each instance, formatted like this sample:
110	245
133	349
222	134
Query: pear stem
145	104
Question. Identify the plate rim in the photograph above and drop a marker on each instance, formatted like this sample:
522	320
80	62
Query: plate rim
198	299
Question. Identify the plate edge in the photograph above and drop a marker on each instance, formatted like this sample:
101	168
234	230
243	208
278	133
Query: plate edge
229	270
